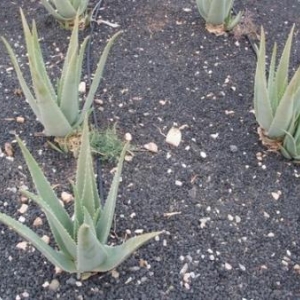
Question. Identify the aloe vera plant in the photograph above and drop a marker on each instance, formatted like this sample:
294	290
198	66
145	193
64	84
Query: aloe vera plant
81	239
57	108
65	11
276	100
217	15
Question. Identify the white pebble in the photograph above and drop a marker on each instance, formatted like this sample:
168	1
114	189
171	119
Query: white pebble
228	266
203	154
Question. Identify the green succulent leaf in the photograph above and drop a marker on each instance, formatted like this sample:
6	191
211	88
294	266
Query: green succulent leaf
85	177
59	259
117	254
281	77
107	214
216	12
97	78
44	189
62	237
90	252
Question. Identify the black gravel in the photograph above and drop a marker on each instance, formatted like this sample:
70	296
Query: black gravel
228	237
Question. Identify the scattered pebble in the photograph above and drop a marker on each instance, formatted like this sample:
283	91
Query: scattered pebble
54	285
233	148
37	222
178	183
203	154
23	209
22	245
228	266
66	197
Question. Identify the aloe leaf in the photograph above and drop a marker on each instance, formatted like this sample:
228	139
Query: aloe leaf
64	240
53	11
81	6
72	49
217	12
117	254
234	21
90	252
88	220
262	106
65	9
107	214
97	77
289	148
202	8
56	258
273	96
44	189
69	101
85	177
281	78
285	110
52	118
30	98
39	61
78	211
285	153
49	115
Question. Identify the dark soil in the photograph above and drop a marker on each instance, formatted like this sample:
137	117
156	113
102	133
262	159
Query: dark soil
229	237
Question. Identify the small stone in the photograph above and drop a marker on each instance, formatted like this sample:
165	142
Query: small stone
78	283
46	239
20	119
152	147
82	87
237	219
203	154
233	148
71	281
184	269
178	183
276	195
23	209
228	266
271	234
66	197
8	149
115	274
54	285
22	219
37	222
22	245
230	218
25	295
128	137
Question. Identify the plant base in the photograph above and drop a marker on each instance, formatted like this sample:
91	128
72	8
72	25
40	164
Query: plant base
70	143
84	22
216	29
272	144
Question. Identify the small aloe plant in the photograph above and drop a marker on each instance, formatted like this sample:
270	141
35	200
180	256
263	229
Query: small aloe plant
277	100
81	239
65	11
58	109
217	15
